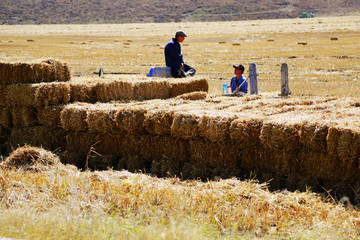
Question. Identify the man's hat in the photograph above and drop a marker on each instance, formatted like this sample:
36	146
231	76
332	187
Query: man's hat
239	66
180	33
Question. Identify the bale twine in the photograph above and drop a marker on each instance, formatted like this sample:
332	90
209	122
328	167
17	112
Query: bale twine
29	158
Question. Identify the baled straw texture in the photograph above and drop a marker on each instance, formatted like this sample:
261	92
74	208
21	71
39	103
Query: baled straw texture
197	95
181	86
24	116
41	94
50	115
5	117
44	71
73	117
29	158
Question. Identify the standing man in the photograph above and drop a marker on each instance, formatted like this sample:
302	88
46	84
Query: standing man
174	58
238	79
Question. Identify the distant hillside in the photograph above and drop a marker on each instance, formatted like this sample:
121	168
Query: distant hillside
124	11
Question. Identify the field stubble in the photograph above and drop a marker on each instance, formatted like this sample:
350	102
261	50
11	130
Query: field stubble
321	67
110	204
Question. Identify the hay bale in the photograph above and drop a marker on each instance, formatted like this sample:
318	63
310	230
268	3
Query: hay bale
74	158
213	154
155	148
155	89
196	171
44	71
104	144
245	133
37	94
102	162
21	95
24	116
216	128
159	121
131	118
106	91
281	142
73	116
38	136
5	117
166	168
82	91
179	87
29	158
313	136
52	94
50	115
101	118
198	95
3	91
186	125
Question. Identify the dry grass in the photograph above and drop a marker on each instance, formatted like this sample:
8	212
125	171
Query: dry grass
119	204
63	203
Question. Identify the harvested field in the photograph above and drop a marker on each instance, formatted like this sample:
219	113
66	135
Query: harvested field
184	127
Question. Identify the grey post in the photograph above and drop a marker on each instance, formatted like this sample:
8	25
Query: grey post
284	80
253	79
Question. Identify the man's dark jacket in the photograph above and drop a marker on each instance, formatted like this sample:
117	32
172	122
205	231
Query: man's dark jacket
173	56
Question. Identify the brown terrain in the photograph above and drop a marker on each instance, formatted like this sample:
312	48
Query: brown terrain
127	11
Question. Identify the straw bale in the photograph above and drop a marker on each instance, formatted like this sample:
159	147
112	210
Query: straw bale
166	168
213	154
5	117
281	142
164	147
38	136
82	92
45	71
31	159
313	136
24	116
198	95
75	158
50	115
159	121
185	125
131	119
52	93
73	116
182	86
113	90
159	89
196	171
102	119
77	141
102	162
320	165
21	94
105	144
3	91
134	164
216	128
245	133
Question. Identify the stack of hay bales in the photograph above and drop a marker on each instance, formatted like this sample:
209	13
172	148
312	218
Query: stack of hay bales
28	91
132	124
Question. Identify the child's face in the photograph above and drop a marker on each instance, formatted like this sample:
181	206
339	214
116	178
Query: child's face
238	71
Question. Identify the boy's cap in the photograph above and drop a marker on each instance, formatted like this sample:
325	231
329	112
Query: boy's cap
239	66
